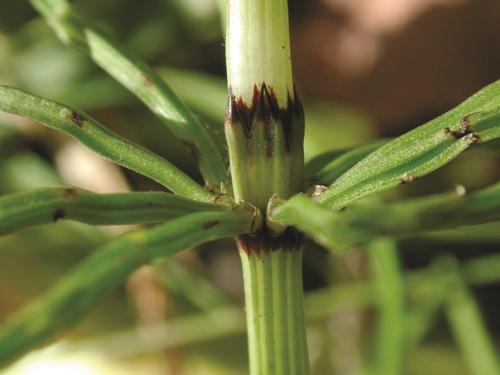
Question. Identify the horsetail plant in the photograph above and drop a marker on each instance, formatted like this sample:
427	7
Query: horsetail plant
268	201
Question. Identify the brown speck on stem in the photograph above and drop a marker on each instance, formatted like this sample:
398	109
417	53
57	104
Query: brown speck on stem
210	224
146	81
59	213
77	119
463	129
69	193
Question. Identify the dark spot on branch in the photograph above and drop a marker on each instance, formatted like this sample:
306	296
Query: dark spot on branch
69	193
463	129
146	81
77	119
210	224
59	213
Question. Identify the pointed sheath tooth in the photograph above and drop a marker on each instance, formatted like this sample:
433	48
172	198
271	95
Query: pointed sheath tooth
258	49
264	119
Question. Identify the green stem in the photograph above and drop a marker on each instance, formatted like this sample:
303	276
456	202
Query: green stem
265	134
275	314
264	118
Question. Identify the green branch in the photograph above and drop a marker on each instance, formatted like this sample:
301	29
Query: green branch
142	81
441	211
41	206
225	320
356	225
105	270
421	150
222	5
432	289
190	285
100	140
467	325
391	310
175	333
325	168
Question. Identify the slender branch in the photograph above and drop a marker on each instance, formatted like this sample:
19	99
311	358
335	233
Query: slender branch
142	81
390	330
173	333
423	314
190	285
432	289
441	211
421	150
325	168
41	206
105	270
100	140
222	5
227	320
483	233
205	94
342	230
467	325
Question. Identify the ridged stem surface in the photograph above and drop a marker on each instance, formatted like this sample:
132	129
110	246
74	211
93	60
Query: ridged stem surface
275	313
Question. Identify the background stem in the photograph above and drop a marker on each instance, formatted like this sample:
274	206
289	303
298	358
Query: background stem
390	328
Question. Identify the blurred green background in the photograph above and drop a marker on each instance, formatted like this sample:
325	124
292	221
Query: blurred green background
364	69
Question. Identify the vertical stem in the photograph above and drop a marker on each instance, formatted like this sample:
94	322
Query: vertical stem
264	119
265	134
274	305
389	282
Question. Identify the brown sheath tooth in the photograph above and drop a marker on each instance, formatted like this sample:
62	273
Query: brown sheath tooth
266	110
263	242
